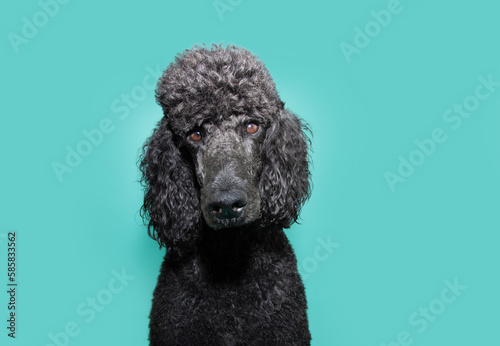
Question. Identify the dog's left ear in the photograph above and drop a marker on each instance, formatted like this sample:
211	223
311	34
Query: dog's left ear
285	177
171	201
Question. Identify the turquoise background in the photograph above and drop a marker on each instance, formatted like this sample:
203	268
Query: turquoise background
392	253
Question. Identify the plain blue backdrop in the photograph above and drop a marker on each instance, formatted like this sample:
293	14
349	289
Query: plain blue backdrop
399	242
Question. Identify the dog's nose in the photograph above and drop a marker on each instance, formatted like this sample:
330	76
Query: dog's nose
228	204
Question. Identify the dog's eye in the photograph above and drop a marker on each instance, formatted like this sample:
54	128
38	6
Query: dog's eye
252	128
195	136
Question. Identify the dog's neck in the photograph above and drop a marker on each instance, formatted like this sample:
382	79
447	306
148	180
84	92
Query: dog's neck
227	255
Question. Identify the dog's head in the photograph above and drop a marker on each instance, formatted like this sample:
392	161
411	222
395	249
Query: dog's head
226	153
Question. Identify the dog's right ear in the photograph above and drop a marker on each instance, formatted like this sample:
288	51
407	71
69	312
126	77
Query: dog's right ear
171	202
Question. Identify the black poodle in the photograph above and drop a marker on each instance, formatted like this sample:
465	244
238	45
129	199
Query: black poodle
225	170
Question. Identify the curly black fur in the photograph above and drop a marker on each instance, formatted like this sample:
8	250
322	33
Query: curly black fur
219	200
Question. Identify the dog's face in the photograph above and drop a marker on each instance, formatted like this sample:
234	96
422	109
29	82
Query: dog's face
227	162
226	152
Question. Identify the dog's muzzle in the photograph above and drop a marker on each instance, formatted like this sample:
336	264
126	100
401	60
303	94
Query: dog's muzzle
226	205
229	201
228	175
